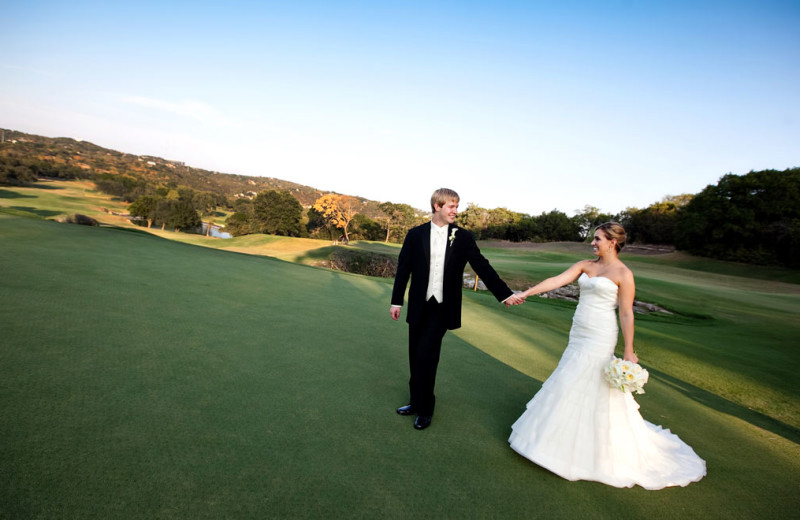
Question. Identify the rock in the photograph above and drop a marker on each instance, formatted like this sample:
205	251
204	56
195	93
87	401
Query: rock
469	281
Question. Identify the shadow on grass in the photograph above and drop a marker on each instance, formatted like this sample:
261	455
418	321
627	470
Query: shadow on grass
5	194
676	317
725	406
43	184
323	253
45	213
377	247
136	231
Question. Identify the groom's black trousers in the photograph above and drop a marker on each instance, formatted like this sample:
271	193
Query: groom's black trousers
424	346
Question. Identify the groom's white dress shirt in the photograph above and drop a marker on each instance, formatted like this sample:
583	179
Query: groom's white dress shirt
436	274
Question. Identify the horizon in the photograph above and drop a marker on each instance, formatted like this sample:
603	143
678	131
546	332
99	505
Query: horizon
528	107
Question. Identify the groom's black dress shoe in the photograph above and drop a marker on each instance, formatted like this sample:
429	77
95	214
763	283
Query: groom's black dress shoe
422	422
406	410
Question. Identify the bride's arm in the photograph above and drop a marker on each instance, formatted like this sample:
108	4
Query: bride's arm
554	282
627	288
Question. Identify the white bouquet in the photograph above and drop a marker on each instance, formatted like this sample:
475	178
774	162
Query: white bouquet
626	376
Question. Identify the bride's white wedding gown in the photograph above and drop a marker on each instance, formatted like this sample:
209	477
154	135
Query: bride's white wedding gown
580	428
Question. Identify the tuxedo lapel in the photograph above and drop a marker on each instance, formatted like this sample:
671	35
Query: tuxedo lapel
426	244
449	247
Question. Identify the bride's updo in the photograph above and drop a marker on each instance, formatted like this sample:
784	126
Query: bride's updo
612	231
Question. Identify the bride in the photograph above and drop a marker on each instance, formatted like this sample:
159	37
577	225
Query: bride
579	427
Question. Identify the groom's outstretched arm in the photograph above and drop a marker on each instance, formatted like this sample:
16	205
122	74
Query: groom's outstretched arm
486	272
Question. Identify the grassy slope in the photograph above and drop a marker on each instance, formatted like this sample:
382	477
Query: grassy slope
730	334
145	378
141	377
51	199
725	311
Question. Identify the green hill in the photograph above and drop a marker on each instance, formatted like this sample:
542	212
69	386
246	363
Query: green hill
145	378
79	157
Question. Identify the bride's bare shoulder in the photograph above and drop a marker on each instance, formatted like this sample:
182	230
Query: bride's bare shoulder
589	265
624	273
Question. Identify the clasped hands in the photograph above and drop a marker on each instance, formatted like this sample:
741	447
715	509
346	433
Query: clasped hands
514	299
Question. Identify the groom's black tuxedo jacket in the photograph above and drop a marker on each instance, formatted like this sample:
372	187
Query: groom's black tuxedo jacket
414	261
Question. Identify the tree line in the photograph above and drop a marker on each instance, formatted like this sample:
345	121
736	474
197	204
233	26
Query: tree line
753	218
332	216
654	224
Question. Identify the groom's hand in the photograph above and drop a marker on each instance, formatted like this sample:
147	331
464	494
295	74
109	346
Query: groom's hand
395	312
514	300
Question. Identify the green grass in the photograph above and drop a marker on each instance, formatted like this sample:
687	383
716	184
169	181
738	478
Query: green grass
730	334
142	377
54	198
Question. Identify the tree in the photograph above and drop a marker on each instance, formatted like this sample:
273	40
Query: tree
399	219
527	229
144	207
500	223
556	226
339	210
183	216
317	223
13	171
475	219
238	224
589	218
186	193
277	213
656	223
178	214
123	186
243	205
205	202
364	228
751	218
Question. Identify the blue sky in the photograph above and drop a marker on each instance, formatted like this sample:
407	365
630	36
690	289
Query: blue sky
530	106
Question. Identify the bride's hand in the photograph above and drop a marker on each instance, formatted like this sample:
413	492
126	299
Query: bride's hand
514	299
631	357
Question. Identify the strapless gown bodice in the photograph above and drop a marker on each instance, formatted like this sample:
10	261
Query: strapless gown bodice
580	428
594	325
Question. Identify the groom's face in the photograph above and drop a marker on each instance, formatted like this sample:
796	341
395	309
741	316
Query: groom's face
447	213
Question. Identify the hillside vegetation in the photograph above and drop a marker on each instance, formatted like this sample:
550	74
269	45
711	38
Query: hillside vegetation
70	158
753	218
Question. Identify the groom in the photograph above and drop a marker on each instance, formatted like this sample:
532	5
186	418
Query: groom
434	256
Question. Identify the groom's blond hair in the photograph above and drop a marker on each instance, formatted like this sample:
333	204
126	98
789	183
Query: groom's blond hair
442	196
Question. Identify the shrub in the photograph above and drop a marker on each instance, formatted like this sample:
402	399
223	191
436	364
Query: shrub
83	220
363	262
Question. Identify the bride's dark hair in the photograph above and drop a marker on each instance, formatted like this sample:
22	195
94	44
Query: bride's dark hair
613	230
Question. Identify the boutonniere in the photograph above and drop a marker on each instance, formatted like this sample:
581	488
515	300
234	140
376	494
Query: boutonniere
453	235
